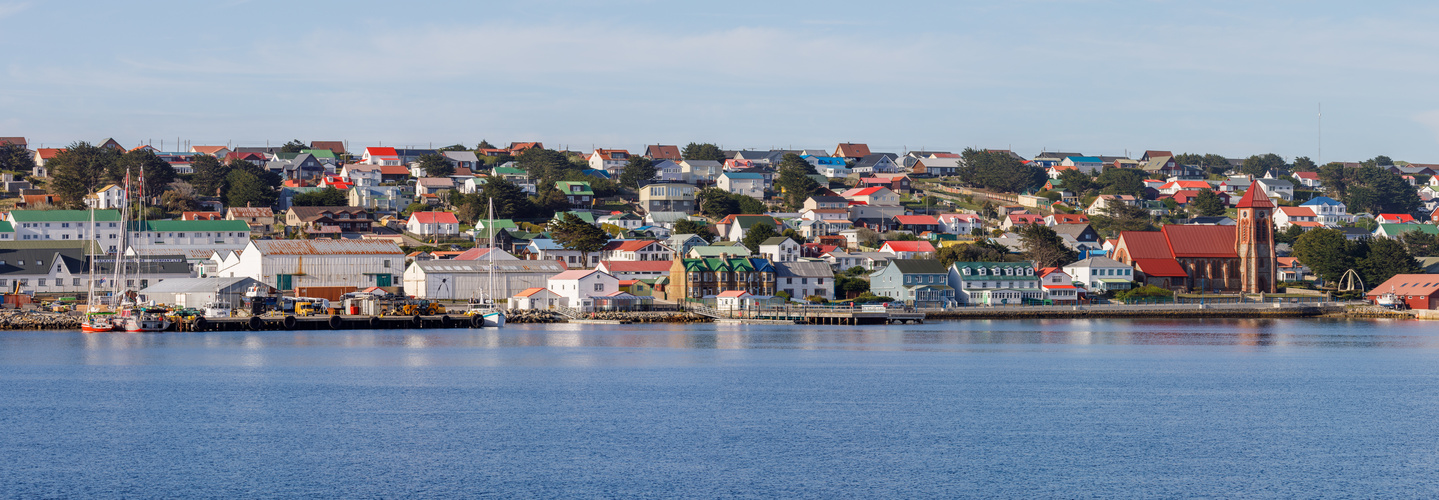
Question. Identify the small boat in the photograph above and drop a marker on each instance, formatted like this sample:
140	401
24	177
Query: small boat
144	319
495	319
96	322
1389	300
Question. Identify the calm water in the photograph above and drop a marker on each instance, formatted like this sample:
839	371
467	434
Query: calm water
988	409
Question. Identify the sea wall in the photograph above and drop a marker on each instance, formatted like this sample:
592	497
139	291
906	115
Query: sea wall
1160	312
36	320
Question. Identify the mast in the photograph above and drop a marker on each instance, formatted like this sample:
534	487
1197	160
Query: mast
89	250
490	228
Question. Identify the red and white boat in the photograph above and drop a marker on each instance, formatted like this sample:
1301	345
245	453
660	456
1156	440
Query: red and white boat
143	319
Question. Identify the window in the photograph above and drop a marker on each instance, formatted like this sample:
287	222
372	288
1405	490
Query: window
24	282
387	262
42	282
75	282
599	287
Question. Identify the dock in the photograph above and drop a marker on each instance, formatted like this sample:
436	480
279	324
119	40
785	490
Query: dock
811	315
327	322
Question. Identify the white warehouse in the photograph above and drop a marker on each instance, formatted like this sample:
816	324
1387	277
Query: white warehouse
287	264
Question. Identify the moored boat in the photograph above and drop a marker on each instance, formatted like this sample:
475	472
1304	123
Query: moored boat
96	322
144	319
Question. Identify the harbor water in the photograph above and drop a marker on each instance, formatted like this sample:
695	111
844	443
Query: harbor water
1042	408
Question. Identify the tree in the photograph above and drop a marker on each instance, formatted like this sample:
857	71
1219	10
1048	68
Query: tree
979	251
552	199
1370	188
794	235
178	202
999	171
209	175
706	151
1206	204
414	207
757	234
1380	161
510	201
294	146
1076	182
1289	235
455	147
1044	246
16	158
794	181
1324	251
574	233
1304	164
546	166
1386	258
1420	243
866	237
79	170
1257	165
328	197
687	226
637	170
484	144
1118	217
845	286
716	203
749	205
157	173
246	189
436	165
1211	163
265	175
1121	181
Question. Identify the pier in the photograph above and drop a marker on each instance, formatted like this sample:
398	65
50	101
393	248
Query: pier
811	315
326	322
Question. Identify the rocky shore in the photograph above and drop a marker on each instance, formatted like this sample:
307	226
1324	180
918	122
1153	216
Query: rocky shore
630	317
36	320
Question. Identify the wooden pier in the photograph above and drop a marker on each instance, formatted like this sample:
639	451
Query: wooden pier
327	322
812	315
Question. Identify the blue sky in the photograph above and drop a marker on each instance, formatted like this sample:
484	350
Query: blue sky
1097	77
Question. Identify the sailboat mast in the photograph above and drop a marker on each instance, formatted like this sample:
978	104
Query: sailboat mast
490	228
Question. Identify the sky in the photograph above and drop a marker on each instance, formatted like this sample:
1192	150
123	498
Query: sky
1095	77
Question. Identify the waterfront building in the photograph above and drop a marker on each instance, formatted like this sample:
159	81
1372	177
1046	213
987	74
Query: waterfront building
699	278
580	288
635	270
994	283
533	299
1058	286
1101	274
1237	258
454	279
801	280
917	282
288	264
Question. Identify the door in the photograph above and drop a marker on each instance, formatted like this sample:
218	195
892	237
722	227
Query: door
383	279
284	281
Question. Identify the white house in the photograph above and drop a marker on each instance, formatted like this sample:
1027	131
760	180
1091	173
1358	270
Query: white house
733	300
547	249
779	249
578	288
908	249
433	224
635	270
468	279
700	171
1290	216
804	279
381	156
361	175
1101	274
636	250
1329	211
1058	286
288	264
960	223
1278	188
108	197
748	184
1086	164
609	160
1104	201
535	299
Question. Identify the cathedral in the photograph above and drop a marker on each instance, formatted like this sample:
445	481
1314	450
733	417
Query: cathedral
1238	258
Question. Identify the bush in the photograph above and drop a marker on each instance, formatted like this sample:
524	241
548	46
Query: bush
1144	292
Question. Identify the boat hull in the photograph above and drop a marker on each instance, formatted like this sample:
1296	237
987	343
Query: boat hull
494	319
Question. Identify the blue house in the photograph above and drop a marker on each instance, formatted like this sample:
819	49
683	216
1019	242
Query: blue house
917	282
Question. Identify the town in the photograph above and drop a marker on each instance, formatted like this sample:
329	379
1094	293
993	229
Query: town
726	230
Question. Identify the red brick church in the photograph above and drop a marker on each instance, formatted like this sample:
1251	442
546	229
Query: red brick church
1238	258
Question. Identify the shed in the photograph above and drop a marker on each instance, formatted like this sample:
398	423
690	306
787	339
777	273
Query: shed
196	292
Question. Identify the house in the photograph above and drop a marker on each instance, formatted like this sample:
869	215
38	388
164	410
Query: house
829	166
1081	238
916	282
609	160
1310	179
994	283
875	196
1290	269
14	141
289	264
751	185
1085	164
733	227
381	156
1104	201
1172	187
659	152
52	267
201	216
380	199
1101	274
1058	286
682	243
624	220
548	249
718	251
578	193
335	147
43	155
1278	188
462	159
700	172
960	223
801	280
636	250
1301	216
917	224
637	269
937	167
908	249
899	183
455	279
851	151
434	185
260	219
322	220
1058	218
215	151
877	163
1328	211
668	197
734	301
1395	219
826	203
1415	291
694	279
780	249
433	224
1014	221
106	198
1386	230
535	299
579	288
372	175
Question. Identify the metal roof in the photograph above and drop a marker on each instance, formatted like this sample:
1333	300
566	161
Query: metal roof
202	285
481	266
64	215
327	247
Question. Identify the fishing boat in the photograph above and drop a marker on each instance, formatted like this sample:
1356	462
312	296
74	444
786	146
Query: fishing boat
491	314
96	319
142	319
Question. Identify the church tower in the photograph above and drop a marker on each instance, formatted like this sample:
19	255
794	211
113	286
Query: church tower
1255	241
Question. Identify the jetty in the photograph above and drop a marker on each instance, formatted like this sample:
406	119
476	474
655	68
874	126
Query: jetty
327	322
811	315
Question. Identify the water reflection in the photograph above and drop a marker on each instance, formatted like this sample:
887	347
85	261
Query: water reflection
428	347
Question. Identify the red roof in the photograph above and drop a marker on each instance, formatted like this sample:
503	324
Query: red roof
1314	176
1160	267
201	216
852	150
1145	245
381	152
1406	285
434	218
1297	211
394	170
47	153
1399	218
636	266
1254	198
733	293
573	275
1071	219
1200	241
1026	218
908	246
864	192
530	292
916	220
628	245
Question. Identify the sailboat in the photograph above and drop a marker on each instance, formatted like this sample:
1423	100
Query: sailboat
96	320
133	316
492	315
